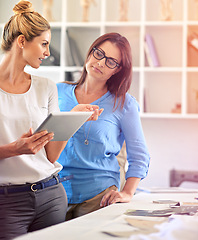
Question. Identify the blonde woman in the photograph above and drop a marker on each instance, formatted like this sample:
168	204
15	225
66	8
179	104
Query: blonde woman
31	194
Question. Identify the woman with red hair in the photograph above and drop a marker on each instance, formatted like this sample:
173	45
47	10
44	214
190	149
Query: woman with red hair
90	155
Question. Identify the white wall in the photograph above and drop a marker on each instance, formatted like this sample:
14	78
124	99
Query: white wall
172	143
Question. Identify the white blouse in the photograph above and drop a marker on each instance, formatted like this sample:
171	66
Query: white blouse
19	112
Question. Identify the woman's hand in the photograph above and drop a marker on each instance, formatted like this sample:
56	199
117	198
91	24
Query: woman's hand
30	143
114	196
124	196
88	108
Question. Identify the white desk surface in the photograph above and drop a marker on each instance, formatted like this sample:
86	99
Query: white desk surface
111	218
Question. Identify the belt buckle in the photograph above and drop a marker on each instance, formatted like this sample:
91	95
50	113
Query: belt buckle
56	177
32	187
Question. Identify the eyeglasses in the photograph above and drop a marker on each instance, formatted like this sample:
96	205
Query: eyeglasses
109	62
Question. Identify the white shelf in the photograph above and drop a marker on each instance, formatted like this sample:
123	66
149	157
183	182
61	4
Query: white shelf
121	24
163	24
174	82
162	69
168	116
81	24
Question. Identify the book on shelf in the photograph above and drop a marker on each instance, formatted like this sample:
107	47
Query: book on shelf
150	51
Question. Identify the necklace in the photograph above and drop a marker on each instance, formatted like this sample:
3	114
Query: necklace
86	142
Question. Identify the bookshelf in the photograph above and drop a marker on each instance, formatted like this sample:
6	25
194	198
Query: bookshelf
159	90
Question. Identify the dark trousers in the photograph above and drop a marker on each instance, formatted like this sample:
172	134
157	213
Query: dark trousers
29	211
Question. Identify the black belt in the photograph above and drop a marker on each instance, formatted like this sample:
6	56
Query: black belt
34	186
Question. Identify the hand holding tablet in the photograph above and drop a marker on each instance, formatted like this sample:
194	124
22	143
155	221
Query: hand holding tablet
88	107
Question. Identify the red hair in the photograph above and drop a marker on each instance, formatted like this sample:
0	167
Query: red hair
119	83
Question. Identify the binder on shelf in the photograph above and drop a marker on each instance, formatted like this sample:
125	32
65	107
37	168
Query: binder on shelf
150	51
73	76
53	59
74	57
69	56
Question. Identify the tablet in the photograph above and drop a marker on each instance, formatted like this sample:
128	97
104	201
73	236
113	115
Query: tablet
64	124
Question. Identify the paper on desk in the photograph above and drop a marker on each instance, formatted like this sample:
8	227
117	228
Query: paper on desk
178	228
150	213
144	224
143	227
181	210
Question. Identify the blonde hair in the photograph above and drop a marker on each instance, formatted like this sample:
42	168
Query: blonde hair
25	21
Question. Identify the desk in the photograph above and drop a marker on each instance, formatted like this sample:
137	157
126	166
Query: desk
111	218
